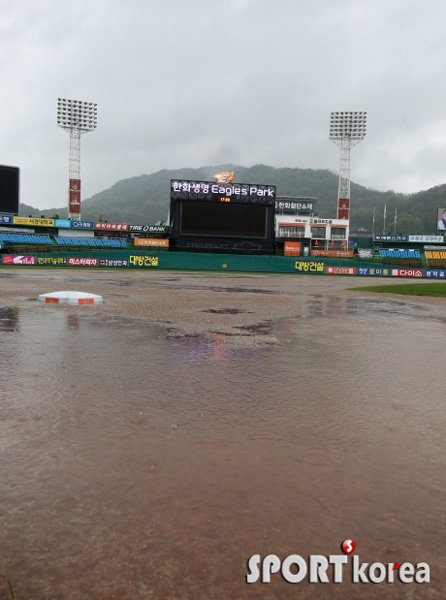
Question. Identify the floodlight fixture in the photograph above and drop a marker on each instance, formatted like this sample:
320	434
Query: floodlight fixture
347	127
77	117
346	130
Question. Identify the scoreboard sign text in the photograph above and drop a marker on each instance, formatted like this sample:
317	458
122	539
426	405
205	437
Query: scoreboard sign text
207	190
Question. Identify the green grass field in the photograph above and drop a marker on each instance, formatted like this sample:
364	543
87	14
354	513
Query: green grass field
436	289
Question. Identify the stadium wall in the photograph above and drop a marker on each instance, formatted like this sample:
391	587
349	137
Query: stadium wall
189	261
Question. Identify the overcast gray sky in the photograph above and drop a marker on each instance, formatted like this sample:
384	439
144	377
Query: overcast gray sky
189	83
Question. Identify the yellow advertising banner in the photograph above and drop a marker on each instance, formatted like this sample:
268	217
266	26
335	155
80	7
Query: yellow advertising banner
35	221
144	261
159	242
311	266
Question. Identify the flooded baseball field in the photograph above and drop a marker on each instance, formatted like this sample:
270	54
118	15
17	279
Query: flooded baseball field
151	445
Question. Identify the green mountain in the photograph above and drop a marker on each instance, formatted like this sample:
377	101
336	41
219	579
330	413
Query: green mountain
145	199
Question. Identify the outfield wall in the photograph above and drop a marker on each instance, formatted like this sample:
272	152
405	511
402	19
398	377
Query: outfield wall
160	260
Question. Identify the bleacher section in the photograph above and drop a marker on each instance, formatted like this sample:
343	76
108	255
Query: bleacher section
436	259
390	253
411	258
25	239
91	242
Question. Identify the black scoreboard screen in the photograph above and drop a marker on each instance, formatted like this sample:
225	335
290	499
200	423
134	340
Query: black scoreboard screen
223	219
9	189
232	218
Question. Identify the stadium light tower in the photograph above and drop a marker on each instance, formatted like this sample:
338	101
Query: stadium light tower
346	130
77	117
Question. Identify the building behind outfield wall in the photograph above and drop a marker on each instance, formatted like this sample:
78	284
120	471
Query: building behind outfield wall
299	231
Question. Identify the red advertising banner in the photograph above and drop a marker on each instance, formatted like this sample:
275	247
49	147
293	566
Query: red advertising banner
340	270
112	226
343	208
74	200
82	262
12	259
407	272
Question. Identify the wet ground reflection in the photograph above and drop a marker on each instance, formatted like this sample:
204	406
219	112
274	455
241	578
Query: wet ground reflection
9	320
139	461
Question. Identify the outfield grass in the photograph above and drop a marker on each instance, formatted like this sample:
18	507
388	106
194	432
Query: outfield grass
435	290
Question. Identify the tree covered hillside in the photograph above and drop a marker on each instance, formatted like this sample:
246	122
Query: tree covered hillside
145	198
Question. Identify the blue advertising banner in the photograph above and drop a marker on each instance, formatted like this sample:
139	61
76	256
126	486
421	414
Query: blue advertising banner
435	273
390	237
82	224
5	219
374	271
64	223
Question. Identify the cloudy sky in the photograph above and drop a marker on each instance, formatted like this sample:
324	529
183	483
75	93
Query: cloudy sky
189	83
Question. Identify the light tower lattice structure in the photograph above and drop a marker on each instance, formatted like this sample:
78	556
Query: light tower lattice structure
346	130
77	117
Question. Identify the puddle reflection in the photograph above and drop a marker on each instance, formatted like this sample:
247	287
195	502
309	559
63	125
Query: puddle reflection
9	320
166	458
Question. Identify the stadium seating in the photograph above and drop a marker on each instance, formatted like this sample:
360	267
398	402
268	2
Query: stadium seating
91	242
435	259
25	239
406	254
410	258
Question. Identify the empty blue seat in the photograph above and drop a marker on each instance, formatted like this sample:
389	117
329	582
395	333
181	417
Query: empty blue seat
410	254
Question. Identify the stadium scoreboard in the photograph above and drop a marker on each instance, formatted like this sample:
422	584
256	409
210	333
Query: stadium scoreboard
218	217
9	189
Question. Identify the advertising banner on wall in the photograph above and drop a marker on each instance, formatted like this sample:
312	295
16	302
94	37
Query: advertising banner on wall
111	226
374	271
333	253
291	249
79	261
63	223
407	273
158	242
310	266
297	206
435	273
113	262
51	261
390	237
82	224
149	229
143	261
330	270
34	221
12	259
426	239
64	261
